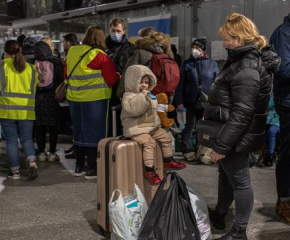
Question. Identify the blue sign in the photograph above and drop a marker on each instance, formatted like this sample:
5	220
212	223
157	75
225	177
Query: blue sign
161	23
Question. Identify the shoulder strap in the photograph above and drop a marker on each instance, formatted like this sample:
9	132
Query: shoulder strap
82	56
198	76
150	59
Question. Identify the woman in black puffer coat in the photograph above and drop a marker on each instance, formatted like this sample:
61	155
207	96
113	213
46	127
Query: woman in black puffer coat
239	98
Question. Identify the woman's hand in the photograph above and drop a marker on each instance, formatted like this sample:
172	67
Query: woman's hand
215	157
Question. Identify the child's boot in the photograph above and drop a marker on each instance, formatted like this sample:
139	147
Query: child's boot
151	176
171	164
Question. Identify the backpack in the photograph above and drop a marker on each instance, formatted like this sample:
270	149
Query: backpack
166	71
45	74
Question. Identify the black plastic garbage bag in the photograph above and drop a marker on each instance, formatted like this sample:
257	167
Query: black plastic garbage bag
170	215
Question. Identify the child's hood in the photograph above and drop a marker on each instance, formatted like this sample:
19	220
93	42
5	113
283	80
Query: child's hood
134	75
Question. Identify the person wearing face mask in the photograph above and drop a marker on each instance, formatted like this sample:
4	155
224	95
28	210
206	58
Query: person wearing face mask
238	101
119	49
197	70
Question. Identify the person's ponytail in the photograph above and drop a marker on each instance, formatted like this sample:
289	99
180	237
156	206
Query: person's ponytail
19	62
12	47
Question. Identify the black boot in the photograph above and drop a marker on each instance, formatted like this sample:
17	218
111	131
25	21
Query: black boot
234	234
218	220
268	160
69	150
70	155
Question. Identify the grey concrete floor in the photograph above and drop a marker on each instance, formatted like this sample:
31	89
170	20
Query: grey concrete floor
60	206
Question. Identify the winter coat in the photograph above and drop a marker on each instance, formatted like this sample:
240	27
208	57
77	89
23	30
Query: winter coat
239	97
139	113
119	52
281	43
46	108
145	47
192	72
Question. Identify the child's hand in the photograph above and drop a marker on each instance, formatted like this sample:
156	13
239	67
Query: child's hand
145	92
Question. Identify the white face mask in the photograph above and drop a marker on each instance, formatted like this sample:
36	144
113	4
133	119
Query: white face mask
195	53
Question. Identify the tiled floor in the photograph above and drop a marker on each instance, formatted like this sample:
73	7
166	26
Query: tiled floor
60	206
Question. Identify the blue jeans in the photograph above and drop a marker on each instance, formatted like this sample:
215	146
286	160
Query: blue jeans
14	129
191	118
271	138
283	162
235	184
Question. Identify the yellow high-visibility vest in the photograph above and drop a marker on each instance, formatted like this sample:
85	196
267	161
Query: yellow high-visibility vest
85	84
17	91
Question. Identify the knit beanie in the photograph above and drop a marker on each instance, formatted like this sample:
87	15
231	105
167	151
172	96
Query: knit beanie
199	42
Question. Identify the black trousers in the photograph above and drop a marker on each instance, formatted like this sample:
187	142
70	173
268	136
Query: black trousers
40	134
90	152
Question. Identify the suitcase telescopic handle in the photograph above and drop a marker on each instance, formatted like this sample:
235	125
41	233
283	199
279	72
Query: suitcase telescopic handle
114	120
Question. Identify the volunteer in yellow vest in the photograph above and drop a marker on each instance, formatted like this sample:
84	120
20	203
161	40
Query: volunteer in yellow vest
17	101
88	93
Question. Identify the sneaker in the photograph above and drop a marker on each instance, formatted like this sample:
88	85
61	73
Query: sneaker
91	174
174	165
52	157
71	149
42	157
190	156
14	175
234	234
79	171
32	171
285	210
218	220
152	178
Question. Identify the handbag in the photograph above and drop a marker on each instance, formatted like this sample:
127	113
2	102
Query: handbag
202	99
204	154
60	92
207	132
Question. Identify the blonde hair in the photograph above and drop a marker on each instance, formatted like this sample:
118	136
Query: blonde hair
242	28
49	42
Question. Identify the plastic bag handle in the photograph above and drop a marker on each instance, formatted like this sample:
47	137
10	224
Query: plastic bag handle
113	195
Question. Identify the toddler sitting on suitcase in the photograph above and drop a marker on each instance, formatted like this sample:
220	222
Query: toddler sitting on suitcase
141	122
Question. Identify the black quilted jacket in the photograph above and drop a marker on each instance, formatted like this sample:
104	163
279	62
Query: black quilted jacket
239	98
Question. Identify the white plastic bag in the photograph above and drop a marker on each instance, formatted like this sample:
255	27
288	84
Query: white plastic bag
200	210
181	118
126	220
